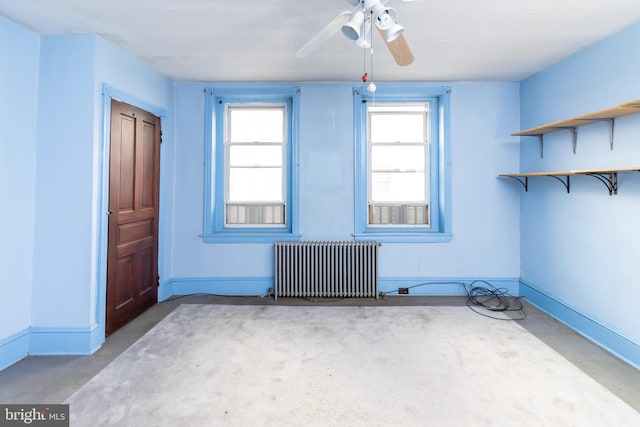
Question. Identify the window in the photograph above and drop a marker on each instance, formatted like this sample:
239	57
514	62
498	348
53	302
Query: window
401	179
250	175
255	165
398	149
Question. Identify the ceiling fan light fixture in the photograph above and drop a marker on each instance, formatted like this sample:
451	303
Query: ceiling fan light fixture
385	16
351	29
365	36
393	32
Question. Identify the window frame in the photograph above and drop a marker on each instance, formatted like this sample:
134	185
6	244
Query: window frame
439	204
215	230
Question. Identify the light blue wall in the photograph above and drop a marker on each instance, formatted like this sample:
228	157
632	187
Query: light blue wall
18	103
71	191
62	254
577	250
52	251
485	216
582	249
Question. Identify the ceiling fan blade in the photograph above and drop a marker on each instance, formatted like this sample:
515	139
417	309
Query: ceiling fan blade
399	49
325	34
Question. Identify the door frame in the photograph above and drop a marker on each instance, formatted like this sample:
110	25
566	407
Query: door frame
109	93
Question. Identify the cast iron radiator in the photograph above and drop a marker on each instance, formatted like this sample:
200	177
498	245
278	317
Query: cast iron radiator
326	269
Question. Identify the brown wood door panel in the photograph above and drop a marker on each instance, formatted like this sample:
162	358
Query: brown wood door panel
148	276
126	274
132	262
135	230
126	156
148	199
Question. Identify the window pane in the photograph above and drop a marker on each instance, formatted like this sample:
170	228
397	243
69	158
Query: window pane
398	158
397	128
242	155
398	187
256	124
255	185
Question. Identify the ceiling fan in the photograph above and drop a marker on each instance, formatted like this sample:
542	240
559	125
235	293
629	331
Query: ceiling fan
357	25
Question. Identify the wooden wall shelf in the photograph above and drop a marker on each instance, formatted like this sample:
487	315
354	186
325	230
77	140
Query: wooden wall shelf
609	177
572	124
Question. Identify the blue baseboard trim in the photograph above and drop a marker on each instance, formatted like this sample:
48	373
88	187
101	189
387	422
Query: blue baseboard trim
259	286
593	330
242	286
165	290
445	286
14	348
65	341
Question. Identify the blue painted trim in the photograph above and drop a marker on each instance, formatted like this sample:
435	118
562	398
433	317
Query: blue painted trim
445	286
259	286
65	341
247	237
360	164
121	96
444	168
408	237
14	348
293	187
165	290
214	230
440	230
209	162
593	330
103	208
244	286
97	336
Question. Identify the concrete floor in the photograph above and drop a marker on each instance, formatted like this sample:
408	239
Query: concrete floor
52	379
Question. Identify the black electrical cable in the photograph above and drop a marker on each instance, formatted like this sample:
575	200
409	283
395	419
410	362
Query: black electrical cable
321	301
202	294
480	298
422	284
485	298
493	299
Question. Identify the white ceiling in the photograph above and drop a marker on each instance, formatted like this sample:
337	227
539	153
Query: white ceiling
255	40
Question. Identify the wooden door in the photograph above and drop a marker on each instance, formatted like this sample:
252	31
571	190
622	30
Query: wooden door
132	255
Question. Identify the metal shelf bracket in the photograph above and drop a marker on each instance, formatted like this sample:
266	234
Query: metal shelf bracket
612	124
574	137
610	180
524	182
541	140
566	183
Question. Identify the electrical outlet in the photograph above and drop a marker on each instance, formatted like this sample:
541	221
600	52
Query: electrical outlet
403	291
